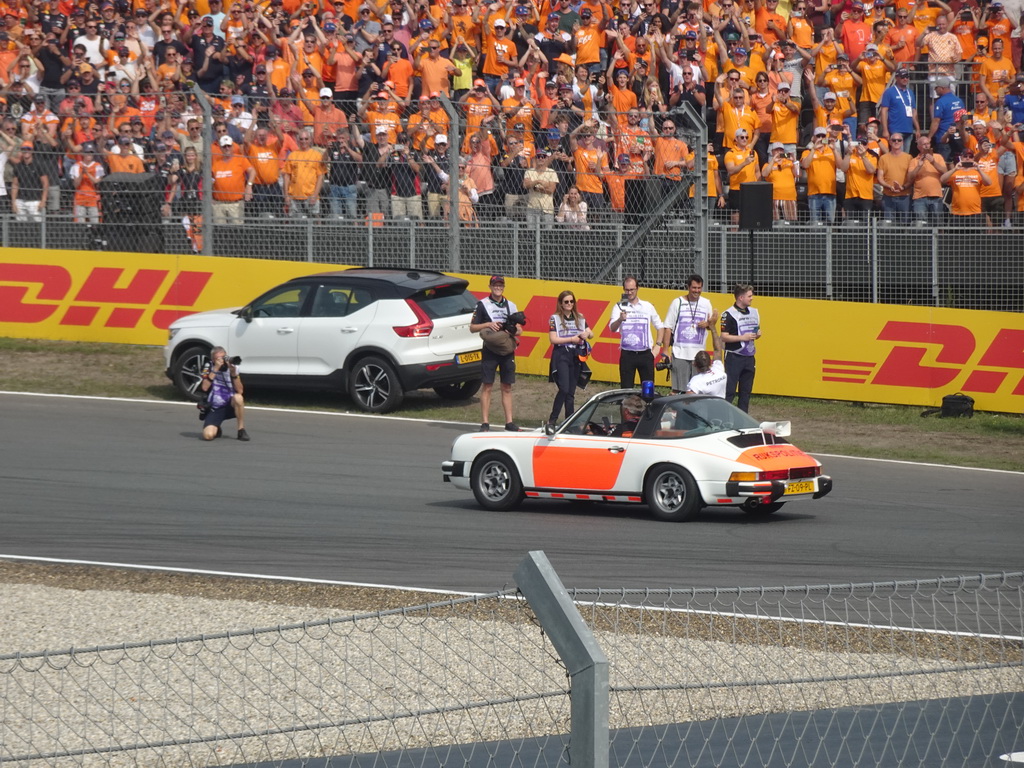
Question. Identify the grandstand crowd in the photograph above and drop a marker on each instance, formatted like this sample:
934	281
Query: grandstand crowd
911	110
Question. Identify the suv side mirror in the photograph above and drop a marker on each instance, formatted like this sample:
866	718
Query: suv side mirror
245	313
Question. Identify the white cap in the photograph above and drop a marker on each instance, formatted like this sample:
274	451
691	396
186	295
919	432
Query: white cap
225	141
382	129
821	131
829	95
441	139
500	23
326	93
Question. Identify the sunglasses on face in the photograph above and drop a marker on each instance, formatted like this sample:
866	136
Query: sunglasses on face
568	301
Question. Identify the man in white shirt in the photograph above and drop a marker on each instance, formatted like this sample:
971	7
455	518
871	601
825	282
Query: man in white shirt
686	330
711	376
632	318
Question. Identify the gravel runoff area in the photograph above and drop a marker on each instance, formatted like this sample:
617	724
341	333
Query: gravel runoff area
57	607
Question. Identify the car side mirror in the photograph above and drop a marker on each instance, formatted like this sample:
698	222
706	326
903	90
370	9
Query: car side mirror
245	313
549	429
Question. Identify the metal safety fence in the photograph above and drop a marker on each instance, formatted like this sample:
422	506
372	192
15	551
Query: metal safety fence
914	673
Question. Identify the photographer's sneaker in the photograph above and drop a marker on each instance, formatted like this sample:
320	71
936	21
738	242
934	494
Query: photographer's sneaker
243	435
485	427
511	427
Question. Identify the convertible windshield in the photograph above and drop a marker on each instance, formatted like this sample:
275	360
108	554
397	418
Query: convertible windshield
692	416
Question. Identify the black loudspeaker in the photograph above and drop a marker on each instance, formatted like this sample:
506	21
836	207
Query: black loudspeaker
131	198
756	205
130	238
641	197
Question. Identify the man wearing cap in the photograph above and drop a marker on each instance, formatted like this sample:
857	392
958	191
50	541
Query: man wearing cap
590	42
208	55
434	174
85	176
947	108
30	185
874	73
998	24
491	314
897	109
854	32
500	54
343	159
233	177
327	118
782	171
840	81
238	116
123	157
39	116
552	41
966	180
820	161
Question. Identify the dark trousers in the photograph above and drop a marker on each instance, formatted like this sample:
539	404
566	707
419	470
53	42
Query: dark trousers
739	373
565	371
631	363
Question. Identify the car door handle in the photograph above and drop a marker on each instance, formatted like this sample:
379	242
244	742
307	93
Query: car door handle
348	329
285	331
617	449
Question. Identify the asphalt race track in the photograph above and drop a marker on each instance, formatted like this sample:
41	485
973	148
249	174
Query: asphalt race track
360	499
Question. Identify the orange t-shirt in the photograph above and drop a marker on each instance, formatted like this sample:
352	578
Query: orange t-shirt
966	184
229	178
783	180
591	165
860	182
669	150
265	161
617	188
821	173
745	174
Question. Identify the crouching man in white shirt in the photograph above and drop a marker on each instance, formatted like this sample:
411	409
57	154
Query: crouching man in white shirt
710	377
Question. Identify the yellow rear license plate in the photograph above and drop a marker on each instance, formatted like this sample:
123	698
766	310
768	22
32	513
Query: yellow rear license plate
469	357
802	487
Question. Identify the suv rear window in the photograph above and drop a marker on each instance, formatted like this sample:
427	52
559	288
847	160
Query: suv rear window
445	301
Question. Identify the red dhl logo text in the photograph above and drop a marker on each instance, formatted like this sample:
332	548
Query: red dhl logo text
111	297
960	359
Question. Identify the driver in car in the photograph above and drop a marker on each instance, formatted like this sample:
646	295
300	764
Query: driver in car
632	410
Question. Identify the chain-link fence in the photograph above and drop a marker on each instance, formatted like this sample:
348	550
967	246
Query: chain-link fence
915	673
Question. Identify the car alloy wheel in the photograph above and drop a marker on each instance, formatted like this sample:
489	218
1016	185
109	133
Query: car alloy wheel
495	481
374	386
671	493
188	371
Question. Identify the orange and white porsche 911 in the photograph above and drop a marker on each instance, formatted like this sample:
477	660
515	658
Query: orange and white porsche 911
675	454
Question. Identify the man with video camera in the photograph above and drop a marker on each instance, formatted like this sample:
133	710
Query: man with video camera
223	388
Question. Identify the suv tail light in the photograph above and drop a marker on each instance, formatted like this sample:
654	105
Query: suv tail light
422	328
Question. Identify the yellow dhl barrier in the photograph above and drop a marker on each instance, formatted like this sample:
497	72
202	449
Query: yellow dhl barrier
834	350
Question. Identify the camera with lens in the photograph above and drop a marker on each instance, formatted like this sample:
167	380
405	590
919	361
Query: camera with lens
516	318
236	360
664	363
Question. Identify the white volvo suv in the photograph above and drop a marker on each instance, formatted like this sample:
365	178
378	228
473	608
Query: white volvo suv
375	333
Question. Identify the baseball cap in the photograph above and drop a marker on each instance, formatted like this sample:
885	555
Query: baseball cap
478	83
554	16
441	139
261	70
167	135
944	82
423	99
330	26
820	131
238	100
500	23
691	35
125	139
271	50
435	94
28	145
776	145
829	95
495	279
623	159
783	87
159	147
858	5
518	82
842	57
586	13
326	93
740	51
382	129
982	40
833	123
871	47
993	6
554	134
89	147
225	141
902	73
382	95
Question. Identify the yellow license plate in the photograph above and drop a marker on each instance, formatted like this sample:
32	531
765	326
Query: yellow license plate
469	357
802	487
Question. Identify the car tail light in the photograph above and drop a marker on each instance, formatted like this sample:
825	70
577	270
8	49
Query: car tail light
774	474
423	326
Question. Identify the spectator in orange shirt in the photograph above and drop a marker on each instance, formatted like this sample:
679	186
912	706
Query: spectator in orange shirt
436	70
925	174
859	166
819	161
303	177
966	180
591	164
741	165
616	182
124	160
85	175
893	170
232	183
782	171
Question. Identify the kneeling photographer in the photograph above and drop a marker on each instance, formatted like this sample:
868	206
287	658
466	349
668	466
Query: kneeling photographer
223	388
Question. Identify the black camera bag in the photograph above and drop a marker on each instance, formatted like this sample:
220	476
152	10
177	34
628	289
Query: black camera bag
954	406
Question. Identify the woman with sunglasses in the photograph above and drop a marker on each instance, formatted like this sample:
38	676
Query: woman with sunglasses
569	335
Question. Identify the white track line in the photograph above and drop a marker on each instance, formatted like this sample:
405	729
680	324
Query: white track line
254	576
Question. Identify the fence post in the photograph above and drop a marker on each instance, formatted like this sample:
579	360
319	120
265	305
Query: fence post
207	201
583	658
454	151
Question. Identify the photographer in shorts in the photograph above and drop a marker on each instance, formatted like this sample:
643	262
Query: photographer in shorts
495	320
224	389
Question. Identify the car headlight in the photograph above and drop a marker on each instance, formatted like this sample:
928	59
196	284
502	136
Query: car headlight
171	333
